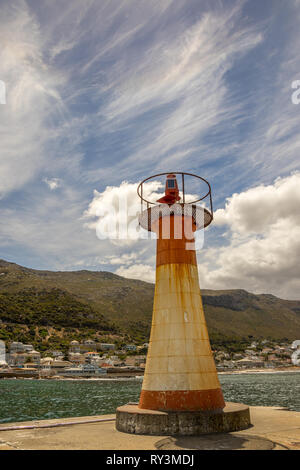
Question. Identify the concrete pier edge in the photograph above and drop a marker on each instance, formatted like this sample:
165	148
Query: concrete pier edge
133	420
273	428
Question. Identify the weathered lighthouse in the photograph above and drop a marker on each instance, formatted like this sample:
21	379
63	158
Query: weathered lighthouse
181	393
180	370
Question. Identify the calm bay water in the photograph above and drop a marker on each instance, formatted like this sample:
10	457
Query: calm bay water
24	400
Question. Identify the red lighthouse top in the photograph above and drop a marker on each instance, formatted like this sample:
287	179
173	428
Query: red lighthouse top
174	201
171	191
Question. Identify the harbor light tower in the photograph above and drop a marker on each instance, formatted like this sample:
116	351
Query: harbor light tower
181	392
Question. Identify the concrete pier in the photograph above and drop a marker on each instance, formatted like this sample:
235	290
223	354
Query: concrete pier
273	429
132	419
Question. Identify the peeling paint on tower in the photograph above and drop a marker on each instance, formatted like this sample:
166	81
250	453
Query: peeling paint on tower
180	373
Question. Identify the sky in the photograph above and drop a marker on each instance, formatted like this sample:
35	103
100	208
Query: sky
100	94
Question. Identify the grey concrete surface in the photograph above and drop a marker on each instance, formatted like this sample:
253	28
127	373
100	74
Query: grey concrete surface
273	428
132	419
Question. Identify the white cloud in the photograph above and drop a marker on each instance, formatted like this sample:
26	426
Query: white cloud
259	208
124	259
115	212
137	271
264	241
53	183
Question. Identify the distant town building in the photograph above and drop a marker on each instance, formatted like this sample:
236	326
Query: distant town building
20	353
144	346
17	359
57	365
114	358
135	360
74	347
238	356
17	347
272	357
249	363
57	354
248	352
106	362
91	357
35	357
130	347
88	345
106	347
76	358
267	350
86	370
46	361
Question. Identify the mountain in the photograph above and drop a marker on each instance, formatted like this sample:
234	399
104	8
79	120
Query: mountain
53	307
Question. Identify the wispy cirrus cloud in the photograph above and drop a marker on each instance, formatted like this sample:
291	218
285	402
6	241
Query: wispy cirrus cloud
104	92
31	93
179	88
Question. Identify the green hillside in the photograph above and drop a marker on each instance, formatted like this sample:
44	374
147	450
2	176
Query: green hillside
53	307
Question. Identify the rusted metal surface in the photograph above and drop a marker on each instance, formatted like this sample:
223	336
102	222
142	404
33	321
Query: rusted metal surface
183	400
179	358
180	371
173	250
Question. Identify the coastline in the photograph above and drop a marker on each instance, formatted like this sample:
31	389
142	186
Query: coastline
133	376
277	370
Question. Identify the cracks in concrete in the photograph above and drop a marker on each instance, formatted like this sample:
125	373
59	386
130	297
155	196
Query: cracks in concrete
8	444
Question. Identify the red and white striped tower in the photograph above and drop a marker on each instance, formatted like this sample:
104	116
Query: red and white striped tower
180	372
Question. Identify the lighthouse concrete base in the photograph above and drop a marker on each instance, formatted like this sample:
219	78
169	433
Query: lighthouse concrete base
134	420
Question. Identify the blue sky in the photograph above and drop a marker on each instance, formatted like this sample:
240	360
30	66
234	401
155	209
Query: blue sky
111	91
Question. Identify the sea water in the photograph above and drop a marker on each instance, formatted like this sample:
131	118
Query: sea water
26	400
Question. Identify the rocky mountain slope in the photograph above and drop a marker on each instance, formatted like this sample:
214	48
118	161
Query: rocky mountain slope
67	305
